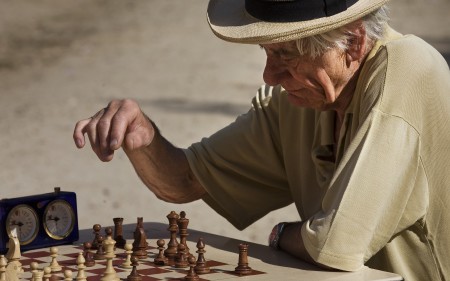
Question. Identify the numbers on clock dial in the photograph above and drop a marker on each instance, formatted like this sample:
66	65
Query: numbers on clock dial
23	220
59	219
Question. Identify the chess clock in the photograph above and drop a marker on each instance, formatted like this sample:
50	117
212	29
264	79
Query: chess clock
39	221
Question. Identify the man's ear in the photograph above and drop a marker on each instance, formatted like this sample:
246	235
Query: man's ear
357	42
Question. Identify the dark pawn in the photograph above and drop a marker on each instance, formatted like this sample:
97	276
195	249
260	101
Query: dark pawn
191	276
161	259
134	275
201	267
181	261
88	255
96	229
100	254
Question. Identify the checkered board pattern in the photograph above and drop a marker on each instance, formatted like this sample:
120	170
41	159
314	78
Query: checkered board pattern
68	254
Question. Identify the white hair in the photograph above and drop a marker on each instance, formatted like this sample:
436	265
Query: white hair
318	44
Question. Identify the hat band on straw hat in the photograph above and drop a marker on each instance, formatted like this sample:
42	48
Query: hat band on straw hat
295	10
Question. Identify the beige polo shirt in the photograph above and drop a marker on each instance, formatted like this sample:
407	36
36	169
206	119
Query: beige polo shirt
382	200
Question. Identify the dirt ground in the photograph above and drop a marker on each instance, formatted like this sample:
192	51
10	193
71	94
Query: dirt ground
61	61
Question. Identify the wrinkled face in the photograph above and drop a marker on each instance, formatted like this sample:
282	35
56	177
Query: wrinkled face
310	82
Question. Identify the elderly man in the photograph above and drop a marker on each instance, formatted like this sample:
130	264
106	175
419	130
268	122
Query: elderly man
352	126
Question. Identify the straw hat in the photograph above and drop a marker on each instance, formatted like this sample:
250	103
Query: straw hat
271	21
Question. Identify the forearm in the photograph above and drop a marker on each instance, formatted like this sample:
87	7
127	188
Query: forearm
165	170
291	241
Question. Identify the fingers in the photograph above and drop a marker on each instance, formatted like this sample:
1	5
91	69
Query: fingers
121	120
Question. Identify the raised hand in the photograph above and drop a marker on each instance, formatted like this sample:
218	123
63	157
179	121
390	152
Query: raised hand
120	124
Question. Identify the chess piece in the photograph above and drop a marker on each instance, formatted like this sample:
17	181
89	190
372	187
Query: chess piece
128	251
134	275
100	254
243	268
3	263
11	272
54	265
14	254
97	234
171	250
37	275
47	273
109	274
182	223
160	259
191	276
68	275
181	261
34	266
140	240
88	255
118	232
201	267
81	276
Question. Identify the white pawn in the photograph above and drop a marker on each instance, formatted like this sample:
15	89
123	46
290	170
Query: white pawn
127	263
3	263
47	273
68	275
81	276
54	263
34	266
37	275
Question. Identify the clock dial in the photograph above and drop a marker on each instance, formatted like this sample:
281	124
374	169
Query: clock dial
23	220
59	219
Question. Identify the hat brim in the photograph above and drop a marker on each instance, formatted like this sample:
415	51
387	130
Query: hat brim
229	20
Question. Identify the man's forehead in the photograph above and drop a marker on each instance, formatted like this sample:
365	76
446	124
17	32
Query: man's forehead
280	47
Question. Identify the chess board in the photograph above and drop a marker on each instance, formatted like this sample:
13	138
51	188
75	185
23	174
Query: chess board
68	254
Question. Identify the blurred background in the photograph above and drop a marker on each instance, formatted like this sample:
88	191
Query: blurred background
62	61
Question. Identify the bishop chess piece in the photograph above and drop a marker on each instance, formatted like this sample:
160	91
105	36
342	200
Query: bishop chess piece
172	249
201	267
134	275
140	240
192	275
243	268
118	233
161	259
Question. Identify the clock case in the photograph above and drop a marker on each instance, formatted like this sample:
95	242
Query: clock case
38	203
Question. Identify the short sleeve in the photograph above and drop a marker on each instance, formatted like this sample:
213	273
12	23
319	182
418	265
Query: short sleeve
241	166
